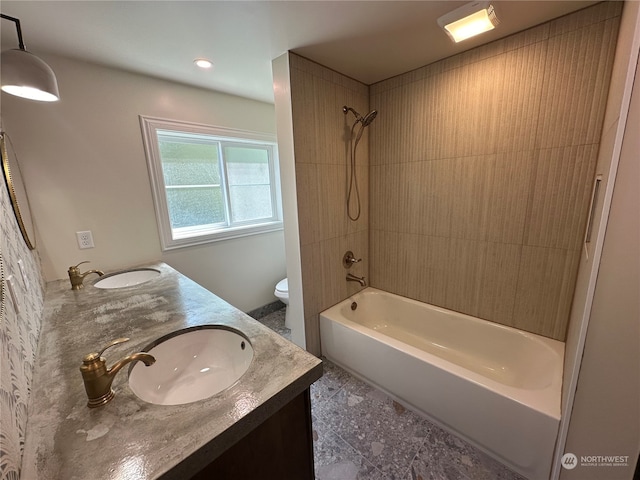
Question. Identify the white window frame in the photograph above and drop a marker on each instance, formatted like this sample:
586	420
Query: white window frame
187	236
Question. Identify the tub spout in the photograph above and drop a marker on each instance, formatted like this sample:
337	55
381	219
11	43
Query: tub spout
353	278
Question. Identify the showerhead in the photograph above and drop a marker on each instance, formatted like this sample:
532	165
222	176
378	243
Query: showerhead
369	117
366	120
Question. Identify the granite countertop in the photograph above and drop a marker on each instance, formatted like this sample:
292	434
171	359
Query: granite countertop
129	438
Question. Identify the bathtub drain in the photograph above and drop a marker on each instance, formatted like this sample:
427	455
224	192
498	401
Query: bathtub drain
354	305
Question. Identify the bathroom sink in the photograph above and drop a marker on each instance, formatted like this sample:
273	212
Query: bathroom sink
191	365
128	278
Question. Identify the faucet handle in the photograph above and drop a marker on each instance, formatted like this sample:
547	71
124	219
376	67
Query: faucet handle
71	268
348	259
112	343
90	357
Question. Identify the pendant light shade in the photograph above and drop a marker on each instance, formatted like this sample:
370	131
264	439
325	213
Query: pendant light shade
25	75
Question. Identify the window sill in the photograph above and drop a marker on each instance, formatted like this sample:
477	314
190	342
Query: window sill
191	239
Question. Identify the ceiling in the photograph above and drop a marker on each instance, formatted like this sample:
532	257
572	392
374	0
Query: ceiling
366	40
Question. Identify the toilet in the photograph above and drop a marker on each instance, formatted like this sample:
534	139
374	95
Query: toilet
282	293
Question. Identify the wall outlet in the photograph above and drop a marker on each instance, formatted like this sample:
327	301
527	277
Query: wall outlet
85	239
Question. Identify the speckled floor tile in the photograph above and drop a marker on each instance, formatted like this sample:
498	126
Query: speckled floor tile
275	321
332	380
447	457
381	430
336	460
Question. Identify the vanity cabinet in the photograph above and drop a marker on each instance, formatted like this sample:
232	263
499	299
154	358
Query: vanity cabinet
281	448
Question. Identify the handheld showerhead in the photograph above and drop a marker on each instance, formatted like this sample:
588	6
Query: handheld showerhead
369	117
353	179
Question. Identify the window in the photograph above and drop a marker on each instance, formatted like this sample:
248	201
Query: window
211	183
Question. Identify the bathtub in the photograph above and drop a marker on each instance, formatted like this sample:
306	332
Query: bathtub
494	386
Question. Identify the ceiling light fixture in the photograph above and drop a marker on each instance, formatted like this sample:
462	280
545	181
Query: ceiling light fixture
469	20
25	75
203	63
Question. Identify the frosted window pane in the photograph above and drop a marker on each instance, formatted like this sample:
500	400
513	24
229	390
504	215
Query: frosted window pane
249	183
185	163
192	206
251	202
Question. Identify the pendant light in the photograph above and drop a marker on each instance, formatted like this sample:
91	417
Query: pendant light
25	75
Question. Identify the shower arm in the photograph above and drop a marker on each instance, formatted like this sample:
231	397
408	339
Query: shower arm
346	110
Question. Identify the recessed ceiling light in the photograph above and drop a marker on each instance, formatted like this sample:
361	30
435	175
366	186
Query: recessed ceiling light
469	20
203	63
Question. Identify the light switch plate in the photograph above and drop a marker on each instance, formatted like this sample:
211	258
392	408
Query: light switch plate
23	272
12	293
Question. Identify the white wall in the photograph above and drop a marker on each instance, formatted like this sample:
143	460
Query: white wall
607	402
84	166
284	116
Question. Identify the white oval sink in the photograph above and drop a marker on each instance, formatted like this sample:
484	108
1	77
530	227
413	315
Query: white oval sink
192	365
127	279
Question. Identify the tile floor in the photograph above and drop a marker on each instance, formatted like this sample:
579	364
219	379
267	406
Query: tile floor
361	434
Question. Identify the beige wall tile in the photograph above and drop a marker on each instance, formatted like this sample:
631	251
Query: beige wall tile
332	181
312	334
470	191
382	250
544	291
509	188
530	36
577	73
433	263
498	282
561	195
435	201
307	186
327	111
585	17
517	98
310	256
362	224
334	285
304	123
384	200
467	258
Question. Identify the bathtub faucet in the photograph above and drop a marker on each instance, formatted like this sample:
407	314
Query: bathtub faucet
353	278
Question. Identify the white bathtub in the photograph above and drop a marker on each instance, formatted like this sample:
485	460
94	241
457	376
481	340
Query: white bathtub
495	386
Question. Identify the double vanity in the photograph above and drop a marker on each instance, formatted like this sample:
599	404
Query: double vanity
250	420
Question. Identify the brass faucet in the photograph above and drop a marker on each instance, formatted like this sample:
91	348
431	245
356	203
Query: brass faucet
98	378
76	277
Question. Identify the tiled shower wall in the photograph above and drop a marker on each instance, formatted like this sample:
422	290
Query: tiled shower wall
481	172
18	337
321	132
